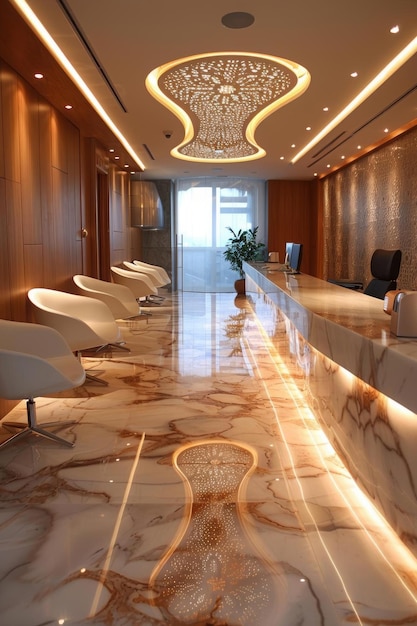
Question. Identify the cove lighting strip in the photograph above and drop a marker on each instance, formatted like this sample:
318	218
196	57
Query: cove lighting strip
57	53
370	88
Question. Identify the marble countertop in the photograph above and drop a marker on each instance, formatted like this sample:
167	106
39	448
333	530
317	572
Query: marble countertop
347	326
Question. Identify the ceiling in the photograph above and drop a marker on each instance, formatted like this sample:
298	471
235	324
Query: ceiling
128	39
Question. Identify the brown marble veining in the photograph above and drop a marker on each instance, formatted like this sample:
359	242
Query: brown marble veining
201	490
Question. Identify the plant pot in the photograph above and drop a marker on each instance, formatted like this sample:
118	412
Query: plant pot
240	286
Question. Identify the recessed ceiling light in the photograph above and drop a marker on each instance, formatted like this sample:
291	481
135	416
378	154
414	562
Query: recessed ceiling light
325	108
343	157
111	150
281	158
359	147
308	127
117	158
68	106
386	130
238	19
395	29
38	75
293	145
354	74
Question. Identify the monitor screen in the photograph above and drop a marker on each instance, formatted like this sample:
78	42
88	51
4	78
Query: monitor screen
288	250
295	257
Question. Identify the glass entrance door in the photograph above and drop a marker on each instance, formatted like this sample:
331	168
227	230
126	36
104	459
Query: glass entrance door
205	208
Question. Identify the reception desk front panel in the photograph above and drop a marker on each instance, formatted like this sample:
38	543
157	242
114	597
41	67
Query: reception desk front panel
361	382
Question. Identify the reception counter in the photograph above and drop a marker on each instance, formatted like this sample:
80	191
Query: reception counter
361	381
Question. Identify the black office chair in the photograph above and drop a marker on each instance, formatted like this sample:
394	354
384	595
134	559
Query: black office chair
385	267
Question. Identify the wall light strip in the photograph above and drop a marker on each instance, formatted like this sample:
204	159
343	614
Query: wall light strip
57	53
375	83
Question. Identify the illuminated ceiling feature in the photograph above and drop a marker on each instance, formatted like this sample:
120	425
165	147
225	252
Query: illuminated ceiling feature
221	98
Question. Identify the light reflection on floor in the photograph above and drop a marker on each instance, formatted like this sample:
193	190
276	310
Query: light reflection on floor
199	491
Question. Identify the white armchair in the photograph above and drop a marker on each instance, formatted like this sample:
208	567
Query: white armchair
119	298
151	273
85	322
161	271
141	285
35	360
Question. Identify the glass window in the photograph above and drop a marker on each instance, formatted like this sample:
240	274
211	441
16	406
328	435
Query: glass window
205	208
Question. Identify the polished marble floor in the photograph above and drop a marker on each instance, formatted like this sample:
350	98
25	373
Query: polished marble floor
200	491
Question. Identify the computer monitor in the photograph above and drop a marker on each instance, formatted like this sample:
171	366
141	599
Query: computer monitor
288	250
295	257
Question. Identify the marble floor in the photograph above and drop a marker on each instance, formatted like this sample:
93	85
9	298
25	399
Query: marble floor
200	491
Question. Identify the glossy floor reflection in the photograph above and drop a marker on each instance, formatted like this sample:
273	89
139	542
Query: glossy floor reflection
200	491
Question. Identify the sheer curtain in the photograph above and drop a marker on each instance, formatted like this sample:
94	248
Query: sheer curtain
205	207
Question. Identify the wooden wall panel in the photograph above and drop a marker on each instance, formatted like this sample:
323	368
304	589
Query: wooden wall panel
2	155
4	256
28	112
33	259
15	259
11	136
57	133
292	216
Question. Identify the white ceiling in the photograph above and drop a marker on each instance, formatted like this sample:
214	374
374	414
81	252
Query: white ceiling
330	38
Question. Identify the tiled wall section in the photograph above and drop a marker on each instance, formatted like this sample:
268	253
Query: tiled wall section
373	204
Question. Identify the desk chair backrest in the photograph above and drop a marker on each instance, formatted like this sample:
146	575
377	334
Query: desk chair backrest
385	267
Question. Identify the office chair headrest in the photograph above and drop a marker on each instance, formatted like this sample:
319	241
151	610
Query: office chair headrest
385	264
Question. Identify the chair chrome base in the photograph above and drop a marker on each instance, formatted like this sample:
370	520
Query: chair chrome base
32	427
88	376
119	346
96	379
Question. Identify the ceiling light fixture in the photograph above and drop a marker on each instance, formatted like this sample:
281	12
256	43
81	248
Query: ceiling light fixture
37	26
390	69
221	98
146	205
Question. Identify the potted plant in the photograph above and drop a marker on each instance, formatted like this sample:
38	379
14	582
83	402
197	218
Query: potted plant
242	246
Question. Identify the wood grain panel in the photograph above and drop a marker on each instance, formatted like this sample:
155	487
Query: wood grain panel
292	216
11	135
57	133
33	259
5	305
2	155
15	251
28	121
